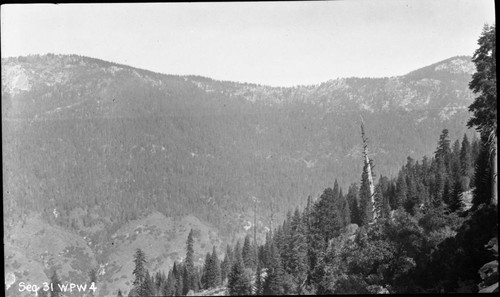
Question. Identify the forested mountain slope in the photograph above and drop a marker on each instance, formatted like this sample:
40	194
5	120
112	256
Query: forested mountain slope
85	132
99	148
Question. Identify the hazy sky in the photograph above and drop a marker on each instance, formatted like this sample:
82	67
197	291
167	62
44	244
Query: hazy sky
274	43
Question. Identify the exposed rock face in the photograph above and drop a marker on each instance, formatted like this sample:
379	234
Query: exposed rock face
16	80
457	66
351	231
489	271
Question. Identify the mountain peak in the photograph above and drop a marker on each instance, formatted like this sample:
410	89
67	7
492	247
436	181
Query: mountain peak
457	65
454	66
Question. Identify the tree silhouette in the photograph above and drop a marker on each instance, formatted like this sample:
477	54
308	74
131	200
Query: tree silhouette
484	107
140	270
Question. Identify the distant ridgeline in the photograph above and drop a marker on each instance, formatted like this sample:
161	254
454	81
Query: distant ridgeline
97	142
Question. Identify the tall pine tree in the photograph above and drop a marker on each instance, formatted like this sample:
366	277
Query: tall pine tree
177	272
482	176
466	168
296	264
146	288
401	190
248	253
365	197
169	287
352	199
227	263
206	272
238	282
190	280
484	107
139	270
259	283
213	273
273	284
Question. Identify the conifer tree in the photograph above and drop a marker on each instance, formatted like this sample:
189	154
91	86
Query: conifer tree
411	195
187	279
286	251
352	199
447	191
365	198
455	166
423	193
248	253
482	177
238	282
120	294
297	251
401	190
484	107
336	189
177	271
326	216
306	221
316	240
261	255
227	263
475	149
273	284
190	281
169	287
282	232
159	280
206	271
307	212
267	250
259	284
146	288
386	207
367	209
237	253
217	274
456	151
443	151
439	186
466	168
345	211
211	273
443	162
456	197
139	270
197	279
164	279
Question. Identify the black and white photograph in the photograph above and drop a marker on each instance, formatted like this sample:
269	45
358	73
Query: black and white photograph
249	148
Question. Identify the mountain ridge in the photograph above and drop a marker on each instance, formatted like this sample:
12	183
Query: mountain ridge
368	94
104	145
151	72
72	57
